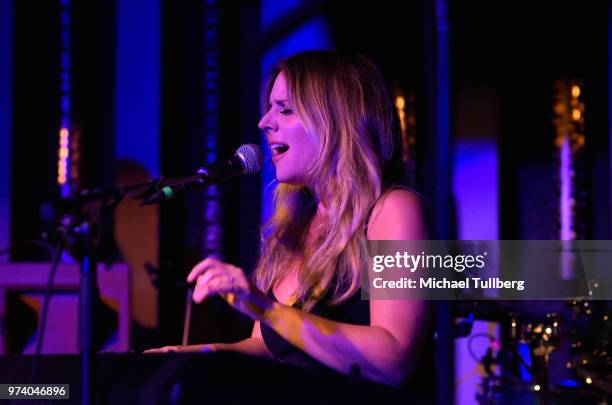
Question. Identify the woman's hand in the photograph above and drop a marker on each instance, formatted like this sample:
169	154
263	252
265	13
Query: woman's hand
212	276
183	349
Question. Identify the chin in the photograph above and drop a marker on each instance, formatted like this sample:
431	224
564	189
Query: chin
290	175
289	180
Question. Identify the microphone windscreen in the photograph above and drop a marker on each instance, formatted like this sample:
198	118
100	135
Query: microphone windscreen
251	156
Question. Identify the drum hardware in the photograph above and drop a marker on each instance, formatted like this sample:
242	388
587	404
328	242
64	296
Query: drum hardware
542	338
591	361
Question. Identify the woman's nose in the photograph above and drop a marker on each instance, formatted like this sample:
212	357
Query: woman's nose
266	122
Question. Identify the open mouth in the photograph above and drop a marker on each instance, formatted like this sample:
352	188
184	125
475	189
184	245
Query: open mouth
279	148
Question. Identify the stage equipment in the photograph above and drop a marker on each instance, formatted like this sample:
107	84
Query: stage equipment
532	340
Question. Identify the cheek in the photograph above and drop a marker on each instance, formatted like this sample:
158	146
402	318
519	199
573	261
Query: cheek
308	144
313	150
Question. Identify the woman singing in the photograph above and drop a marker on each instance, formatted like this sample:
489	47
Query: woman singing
331	125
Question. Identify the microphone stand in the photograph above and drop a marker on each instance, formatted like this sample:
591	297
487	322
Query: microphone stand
88	299
77	236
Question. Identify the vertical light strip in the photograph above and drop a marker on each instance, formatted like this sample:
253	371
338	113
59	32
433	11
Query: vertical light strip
400	106
570	142
137	140
406	111
6	118
475	190
213	232
137	89
562	122
565	202
63	162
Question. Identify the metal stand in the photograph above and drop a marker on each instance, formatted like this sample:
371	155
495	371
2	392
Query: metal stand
88	299
77	236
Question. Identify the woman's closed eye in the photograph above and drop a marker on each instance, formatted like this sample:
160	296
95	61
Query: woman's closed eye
286	111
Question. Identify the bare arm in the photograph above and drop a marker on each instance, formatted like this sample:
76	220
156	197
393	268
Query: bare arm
253	346
388	349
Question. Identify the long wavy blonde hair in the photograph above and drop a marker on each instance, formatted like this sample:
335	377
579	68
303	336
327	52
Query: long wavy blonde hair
342	101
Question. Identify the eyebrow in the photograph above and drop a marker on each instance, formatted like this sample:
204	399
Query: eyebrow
281	103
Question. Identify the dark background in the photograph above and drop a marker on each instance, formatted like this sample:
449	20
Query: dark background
479	77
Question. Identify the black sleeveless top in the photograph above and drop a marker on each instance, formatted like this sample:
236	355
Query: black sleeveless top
353	311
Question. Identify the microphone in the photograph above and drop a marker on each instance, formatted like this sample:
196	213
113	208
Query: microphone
246	160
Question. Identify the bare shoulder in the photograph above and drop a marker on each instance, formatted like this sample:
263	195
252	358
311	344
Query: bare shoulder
398	215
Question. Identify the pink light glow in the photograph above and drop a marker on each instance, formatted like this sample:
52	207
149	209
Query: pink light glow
565	173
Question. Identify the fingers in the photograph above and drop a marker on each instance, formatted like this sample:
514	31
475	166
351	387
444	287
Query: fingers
206	278
214	276
165	349
222	282
201	290
201	268
202	348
